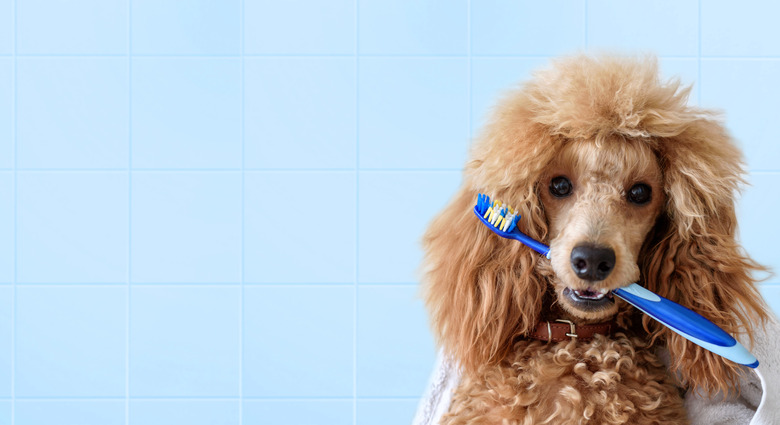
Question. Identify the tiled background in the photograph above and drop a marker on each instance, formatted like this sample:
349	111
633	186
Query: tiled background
210	209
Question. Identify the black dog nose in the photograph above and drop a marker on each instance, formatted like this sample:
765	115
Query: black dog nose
592	262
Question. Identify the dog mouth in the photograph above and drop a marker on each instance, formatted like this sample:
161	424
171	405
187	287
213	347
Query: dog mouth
589	299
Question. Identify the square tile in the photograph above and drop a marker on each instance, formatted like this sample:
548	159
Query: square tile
7	251
186	113
758	232
298	412
750	106
300	227
664	27
186	227
186	27
71	341
386	412
184	341
200	412
395	350
70	412
492	78
409	27
282	324
6	113
527	27
395	209
299	27
6	27
771	294
747	28
72	227
73	112
300	113
6	341
413	112
77	27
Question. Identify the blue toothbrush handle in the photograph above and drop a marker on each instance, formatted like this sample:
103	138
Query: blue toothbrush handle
687	323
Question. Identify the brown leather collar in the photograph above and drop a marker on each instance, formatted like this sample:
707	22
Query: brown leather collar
563	330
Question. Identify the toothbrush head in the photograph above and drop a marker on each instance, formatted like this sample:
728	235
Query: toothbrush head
502	220
502	217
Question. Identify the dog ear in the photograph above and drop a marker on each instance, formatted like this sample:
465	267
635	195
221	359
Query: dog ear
482	290
693	257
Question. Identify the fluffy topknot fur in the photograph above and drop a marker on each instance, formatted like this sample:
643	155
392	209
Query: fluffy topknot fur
484	292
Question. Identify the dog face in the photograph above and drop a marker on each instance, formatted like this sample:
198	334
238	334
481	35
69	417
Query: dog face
601	201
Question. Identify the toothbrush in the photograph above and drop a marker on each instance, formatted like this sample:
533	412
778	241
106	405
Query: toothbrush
502	220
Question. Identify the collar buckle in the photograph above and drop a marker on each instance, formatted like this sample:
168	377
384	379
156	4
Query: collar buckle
573	333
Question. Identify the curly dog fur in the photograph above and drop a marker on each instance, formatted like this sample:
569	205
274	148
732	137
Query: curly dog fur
606	124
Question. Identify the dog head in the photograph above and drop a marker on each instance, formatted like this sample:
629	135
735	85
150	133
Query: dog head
627	183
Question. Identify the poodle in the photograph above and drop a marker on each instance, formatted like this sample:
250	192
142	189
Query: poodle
626	182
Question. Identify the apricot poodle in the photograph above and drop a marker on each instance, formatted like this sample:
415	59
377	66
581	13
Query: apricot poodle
626	182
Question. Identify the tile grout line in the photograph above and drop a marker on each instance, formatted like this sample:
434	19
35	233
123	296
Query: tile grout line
210	285
242	272
202	398
420	56
14	307
128	293
230	170
357	215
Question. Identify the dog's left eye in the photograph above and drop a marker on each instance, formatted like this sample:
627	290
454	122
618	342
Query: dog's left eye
639	194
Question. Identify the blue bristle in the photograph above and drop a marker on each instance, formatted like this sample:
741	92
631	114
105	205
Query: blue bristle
483	203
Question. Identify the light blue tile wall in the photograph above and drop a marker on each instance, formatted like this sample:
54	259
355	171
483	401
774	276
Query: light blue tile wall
71	227
6	341
318	91
185	27
385	411
186	113
302	319
409	27
391	342
184	341
189	412
6	27
185	227
78	27
661	26
301	27
6	411
322	245
7	228
6	112
298	412
69	412
210	210
430	132
70	341
80	99
526	27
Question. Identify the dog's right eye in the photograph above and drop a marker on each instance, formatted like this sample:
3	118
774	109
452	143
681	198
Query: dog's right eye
560	187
